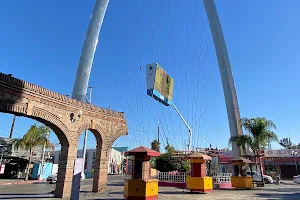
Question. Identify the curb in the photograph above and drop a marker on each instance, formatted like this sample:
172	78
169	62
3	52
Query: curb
23	182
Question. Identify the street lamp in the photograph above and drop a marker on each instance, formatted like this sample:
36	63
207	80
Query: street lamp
294	154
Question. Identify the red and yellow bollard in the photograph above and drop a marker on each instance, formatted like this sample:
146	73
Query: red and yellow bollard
198	181
141	186
240	179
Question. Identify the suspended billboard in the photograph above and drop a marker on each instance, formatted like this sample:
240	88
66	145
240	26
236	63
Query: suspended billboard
159	84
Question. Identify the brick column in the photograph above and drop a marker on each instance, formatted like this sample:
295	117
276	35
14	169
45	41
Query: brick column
101	167
65	171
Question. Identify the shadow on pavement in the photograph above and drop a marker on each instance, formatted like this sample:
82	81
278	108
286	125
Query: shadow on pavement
283	189
107	192
290	196
27	196
40	183
116	192
177	192
107	198
116	184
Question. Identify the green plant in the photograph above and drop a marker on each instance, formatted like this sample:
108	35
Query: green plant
35	136
166	162
259	135
155	145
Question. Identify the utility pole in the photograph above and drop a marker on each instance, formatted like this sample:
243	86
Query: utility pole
85	137
87	57
226	75
12	127
43	158
88	50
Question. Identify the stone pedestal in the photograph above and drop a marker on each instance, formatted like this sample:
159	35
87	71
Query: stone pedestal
141	189
240	180
141	186
198	181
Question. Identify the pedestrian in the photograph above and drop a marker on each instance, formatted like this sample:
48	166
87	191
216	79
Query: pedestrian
278	180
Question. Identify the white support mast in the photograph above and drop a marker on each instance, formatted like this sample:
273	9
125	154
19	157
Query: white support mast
186	124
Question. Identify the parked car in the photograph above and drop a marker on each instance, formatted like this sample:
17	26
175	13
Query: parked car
52	178
296	179
257	177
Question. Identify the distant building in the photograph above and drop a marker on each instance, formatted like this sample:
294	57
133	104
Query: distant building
274	162
16	160
283	162
20	152
116	157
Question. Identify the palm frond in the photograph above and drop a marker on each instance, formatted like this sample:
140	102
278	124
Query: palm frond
35	136
259	129
241	140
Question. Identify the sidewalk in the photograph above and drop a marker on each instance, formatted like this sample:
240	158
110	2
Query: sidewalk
18	181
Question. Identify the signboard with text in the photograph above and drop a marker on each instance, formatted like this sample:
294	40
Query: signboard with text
282	153
159	84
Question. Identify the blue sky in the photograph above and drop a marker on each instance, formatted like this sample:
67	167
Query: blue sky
41	42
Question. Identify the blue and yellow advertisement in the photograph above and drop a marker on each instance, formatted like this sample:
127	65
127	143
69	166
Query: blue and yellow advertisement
163	83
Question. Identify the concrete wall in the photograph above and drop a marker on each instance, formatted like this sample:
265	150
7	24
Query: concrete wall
47	170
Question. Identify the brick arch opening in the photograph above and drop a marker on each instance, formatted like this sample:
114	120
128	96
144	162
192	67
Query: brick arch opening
103	147
48	119
101	156
104	141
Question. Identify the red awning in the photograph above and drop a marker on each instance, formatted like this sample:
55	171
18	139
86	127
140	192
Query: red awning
144	150
224	159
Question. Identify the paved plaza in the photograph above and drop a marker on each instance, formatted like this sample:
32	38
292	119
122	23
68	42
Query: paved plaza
114	191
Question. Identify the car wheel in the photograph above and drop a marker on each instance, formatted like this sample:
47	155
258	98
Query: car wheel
266	181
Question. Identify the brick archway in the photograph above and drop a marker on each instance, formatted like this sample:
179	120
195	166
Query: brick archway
56	111
104	143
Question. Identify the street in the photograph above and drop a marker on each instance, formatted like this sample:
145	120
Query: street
115	189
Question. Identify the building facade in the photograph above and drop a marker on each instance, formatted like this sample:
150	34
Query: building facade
285	162
15	160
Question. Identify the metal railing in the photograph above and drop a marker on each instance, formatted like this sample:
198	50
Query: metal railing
222	178
173	177
180	177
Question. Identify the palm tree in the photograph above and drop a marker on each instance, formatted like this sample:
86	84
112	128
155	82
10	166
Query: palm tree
35	136
259	135
155	145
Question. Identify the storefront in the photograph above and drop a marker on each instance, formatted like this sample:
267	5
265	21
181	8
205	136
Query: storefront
283	162
286	167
